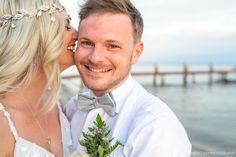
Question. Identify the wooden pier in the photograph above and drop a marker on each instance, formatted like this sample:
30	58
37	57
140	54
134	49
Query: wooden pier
185	73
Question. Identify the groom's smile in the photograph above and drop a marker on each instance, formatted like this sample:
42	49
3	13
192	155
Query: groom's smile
97	70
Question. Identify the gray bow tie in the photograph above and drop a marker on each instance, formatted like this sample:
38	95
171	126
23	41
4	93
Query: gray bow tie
87	103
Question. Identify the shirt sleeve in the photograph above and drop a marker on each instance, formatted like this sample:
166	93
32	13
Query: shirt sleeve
162	137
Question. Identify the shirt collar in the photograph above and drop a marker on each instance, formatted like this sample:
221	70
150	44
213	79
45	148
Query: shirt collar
121	93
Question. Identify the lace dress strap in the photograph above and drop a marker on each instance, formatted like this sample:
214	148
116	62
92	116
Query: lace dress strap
11	125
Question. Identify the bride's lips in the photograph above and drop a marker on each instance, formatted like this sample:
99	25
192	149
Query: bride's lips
71	48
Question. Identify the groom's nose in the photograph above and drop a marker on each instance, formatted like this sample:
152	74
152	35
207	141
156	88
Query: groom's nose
97	54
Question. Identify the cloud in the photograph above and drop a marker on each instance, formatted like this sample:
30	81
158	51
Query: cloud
182	30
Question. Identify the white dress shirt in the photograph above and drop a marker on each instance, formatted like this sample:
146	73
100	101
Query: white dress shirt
143	123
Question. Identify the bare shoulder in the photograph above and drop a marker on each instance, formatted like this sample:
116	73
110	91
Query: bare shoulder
7	141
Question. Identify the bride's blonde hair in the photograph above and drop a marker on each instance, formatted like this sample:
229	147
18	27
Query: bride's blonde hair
29	44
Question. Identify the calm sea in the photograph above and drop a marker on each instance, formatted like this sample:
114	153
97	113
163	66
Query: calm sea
207	112
208	115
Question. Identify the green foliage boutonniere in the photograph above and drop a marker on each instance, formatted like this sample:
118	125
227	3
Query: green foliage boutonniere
96	140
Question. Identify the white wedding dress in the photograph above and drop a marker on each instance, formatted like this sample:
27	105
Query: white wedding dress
25	148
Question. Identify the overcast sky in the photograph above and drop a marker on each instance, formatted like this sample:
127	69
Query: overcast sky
184	31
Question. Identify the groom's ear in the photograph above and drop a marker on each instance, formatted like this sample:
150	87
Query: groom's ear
138	49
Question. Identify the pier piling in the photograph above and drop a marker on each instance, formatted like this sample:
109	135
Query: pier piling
185	74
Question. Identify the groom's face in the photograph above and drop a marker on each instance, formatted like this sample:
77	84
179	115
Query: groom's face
106	51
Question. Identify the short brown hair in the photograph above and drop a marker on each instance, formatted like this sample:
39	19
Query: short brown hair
115	6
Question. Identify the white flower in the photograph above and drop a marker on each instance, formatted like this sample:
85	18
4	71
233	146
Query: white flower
79	153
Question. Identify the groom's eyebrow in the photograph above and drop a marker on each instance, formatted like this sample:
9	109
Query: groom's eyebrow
84	38
113	42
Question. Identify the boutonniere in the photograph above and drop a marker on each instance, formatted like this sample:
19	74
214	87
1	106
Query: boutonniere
96	140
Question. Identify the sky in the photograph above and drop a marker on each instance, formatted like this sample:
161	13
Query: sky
183	31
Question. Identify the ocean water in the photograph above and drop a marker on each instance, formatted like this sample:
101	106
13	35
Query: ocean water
206	112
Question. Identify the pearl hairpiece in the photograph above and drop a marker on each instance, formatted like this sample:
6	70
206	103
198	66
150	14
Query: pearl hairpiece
7	18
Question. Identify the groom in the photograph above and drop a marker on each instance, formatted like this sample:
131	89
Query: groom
109	42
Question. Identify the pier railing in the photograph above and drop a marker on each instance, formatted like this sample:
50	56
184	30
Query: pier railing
185	73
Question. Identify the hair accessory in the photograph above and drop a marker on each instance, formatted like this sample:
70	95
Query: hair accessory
7	18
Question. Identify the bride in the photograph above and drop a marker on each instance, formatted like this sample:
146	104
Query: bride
36	44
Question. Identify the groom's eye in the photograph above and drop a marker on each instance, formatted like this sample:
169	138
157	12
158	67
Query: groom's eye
113	46
86	43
